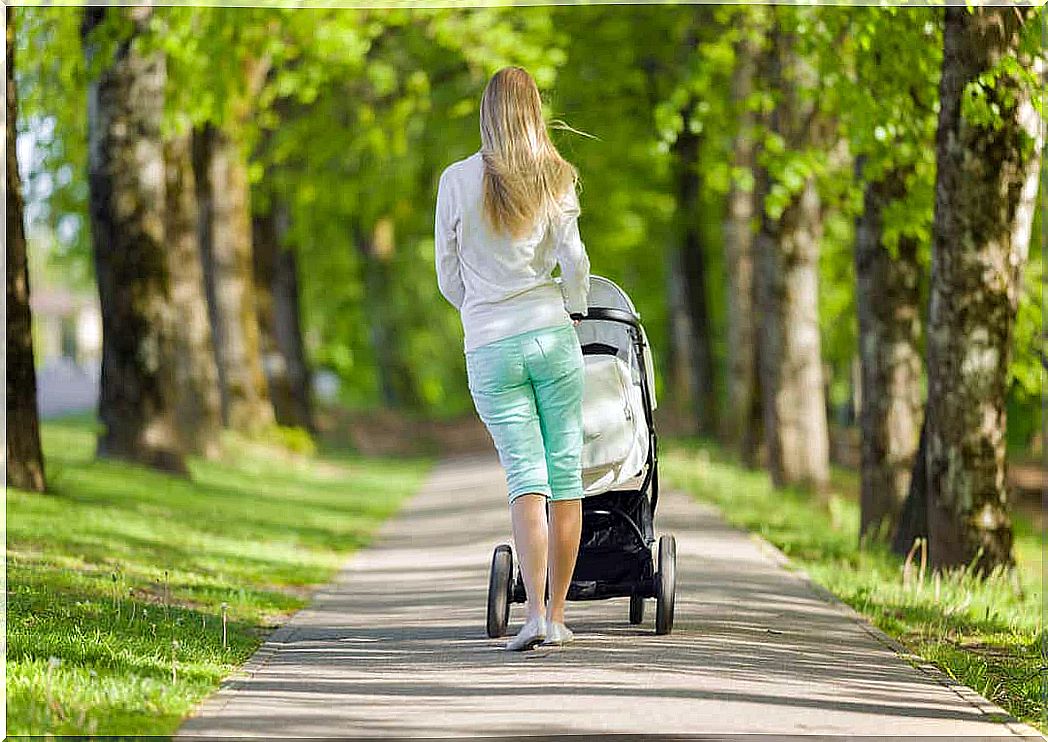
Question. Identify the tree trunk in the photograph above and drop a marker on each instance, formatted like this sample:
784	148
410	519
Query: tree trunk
681	356
225	242
985	192
753	442
753	450
276	284
913	517
692	258
740	422
289	338
395	380
127	206
199	411
787	271
25	461
887	297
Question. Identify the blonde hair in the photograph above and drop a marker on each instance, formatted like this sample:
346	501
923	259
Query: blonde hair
525	178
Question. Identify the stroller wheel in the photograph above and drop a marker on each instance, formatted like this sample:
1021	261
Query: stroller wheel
666	585
498	590
636	609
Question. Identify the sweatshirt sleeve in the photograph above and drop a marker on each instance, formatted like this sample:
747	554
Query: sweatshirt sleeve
571	256
449	277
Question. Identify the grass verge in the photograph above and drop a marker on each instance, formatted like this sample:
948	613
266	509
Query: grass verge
118	577
985	634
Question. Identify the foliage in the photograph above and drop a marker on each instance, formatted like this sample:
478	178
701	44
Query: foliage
348	117
48	58
117	563
378	162
878	76
1028	367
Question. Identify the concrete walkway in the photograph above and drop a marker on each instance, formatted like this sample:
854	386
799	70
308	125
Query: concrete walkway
396	647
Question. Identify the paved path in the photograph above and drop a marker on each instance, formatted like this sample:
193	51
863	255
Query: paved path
396	647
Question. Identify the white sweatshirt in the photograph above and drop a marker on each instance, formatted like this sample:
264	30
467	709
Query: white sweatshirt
503	285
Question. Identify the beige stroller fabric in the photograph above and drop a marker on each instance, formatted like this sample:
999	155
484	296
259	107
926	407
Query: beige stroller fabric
615	428
615	433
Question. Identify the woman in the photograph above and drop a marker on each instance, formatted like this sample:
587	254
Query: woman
505	216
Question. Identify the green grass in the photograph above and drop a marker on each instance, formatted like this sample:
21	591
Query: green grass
986	634
119	574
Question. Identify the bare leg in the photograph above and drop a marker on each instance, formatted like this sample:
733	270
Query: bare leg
565	533
531	534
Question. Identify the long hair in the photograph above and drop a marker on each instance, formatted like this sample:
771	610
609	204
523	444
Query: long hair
525	178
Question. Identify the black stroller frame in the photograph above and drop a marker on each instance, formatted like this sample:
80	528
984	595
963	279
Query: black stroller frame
615	551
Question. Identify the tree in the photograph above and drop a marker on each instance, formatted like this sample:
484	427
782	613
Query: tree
199	413
887	298
692	263
913	518
384	100
686	74
742	423
280	323
219	63
358	155
376	247
126	177
988	147
681	378
25	461
886	103
791	377
225	242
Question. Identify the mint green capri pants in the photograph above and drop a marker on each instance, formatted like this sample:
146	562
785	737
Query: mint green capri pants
527	389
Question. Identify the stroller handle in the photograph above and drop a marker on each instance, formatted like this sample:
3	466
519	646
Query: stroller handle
609	314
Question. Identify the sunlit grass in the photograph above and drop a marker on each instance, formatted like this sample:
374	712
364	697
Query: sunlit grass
119	577
986	634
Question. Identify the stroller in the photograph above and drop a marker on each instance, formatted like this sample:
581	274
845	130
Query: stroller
620	475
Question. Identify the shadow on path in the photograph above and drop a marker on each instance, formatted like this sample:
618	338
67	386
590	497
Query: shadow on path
396	646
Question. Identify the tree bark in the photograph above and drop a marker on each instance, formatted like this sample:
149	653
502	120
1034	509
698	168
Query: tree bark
692	258
289	338
787	264
280	323
225	242
888	301
985	192
127	206
199	410
740	425
913	517
25	461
